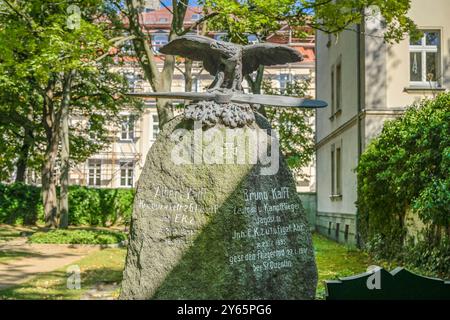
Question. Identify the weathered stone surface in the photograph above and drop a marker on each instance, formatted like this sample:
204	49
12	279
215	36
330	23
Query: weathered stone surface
211	113
216	231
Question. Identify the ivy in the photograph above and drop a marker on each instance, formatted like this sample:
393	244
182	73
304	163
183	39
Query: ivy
407	168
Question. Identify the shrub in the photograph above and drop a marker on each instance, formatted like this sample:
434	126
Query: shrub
77	237
22	204
100	207
408	168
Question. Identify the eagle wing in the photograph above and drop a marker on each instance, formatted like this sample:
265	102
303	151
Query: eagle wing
267	54
198	48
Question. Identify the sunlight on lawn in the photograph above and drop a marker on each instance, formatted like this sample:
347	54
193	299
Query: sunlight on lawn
105	266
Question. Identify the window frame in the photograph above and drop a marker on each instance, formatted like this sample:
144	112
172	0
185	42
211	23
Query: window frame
96	166
423	49
333	170
157	44
333	92
198	16
287	78
128	136
127	166
338	166
338	83
336	158
155	123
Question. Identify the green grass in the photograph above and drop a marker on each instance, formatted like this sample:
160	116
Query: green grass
103	266
77	237
333	260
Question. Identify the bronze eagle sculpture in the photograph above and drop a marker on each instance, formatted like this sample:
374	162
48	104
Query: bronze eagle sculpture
225	101
230	62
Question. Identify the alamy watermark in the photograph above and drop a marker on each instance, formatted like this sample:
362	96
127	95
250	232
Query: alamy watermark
73	20
374	280
73	277
239	146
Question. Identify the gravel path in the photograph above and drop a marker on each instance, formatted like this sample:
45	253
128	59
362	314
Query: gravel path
42	258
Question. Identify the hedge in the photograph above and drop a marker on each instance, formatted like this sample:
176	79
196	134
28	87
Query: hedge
60	236
22	204
407	170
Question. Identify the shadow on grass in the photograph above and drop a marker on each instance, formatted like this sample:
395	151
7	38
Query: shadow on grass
7	255
101	267
54	285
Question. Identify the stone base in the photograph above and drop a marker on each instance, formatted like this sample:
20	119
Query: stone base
216	231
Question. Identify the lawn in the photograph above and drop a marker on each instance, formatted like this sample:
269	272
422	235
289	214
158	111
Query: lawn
335	260
105	266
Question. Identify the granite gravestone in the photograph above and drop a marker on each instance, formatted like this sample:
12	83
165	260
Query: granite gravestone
216	214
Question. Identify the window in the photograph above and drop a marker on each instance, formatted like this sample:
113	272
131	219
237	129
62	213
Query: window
284	79
196	17
424	59
163	20
338	87
338	172
346	232
337	230
333	94
155	127
196	85
94	172
127	128
220	36
159	40
126	173
333	172
134	80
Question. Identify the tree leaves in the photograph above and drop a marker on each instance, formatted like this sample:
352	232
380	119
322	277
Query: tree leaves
407	166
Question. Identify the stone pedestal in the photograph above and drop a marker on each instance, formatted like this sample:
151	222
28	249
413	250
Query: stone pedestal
210	228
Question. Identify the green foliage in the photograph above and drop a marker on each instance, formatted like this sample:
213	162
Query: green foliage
262	17
77	237
407	168
293	124
430	255
100	207
22	205
37	51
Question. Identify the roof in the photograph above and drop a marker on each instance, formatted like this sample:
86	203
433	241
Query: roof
159	21
162	17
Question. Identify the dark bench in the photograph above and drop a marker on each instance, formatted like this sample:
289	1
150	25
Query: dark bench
380	284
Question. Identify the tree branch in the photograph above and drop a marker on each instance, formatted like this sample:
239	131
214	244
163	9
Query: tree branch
198	22
24	16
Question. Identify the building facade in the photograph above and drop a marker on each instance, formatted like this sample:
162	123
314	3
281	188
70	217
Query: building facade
366	82
121	163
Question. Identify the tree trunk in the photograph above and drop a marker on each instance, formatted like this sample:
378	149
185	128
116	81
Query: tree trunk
188	75
51	124
159	81
255	86
49	196
24	152
65	154
22	160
